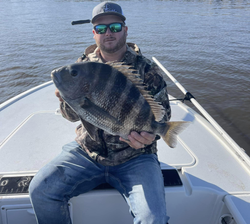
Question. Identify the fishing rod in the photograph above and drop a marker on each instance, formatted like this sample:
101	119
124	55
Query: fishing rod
79	22
190	97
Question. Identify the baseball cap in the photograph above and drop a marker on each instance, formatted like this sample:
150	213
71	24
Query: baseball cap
107	8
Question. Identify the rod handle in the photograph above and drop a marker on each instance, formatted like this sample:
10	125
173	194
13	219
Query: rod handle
78	22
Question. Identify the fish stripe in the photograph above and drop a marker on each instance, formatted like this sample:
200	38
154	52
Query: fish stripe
143	116
117	109
105	71
128	104
119	84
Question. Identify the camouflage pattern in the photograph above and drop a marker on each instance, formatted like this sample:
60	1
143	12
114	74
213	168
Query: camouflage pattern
107	149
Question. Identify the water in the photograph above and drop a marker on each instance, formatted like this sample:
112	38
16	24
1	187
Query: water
204	44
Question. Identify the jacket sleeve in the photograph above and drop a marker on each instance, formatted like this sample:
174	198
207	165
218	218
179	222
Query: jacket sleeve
157	87
68	113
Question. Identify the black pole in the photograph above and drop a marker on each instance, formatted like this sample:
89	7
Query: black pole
80	22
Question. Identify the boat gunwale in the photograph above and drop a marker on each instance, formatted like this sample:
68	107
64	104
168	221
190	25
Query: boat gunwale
23	94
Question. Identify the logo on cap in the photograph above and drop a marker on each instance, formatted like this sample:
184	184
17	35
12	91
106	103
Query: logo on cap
108	9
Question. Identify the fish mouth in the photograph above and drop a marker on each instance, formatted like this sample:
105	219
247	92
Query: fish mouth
58	80
54	76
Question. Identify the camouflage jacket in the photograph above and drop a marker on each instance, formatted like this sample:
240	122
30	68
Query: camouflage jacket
102	147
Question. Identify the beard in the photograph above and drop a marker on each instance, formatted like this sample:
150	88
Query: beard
117	47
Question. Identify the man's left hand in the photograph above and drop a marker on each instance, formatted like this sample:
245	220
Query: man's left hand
138	141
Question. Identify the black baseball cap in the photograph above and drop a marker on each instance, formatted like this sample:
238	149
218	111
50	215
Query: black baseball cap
107	8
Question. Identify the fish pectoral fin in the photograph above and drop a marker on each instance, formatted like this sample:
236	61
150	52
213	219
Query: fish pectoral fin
85	103
99	112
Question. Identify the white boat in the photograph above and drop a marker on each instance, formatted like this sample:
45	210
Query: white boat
207	176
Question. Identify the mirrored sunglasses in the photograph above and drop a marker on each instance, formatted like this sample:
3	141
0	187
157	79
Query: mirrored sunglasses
113	27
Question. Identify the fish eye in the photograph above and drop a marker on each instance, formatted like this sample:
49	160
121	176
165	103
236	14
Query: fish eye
73	73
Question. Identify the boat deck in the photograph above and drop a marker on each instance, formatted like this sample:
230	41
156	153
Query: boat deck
214	185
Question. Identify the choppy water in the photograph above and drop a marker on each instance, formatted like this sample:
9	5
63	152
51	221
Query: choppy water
204	44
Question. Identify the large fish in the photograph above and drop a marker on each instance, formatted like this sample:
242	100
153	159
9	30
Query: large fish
113	98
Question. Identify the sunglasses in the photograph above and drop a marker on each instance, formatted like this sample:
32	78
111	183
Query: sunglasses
114	28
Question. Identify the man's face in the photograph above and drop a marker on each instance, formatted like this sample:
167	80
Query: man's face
110	42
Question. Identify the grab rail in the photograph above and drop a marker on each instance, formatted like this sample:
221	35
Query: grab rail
240	151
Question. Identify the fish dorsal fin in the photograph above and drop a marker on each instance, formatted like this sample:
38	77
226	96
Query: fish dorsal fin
132	74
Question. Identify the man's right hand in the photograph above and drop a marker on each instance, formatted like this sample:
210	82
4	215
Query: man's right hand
58	95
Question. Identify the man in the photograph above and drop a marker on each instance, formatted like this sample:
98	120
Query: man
130	166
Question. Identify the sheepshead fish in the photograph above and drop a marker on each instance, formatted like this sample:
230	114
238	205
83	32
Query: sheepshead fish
113	98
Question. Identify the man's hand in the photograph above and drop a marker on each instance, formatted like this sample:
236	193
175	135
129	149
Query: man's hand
58	95
138	141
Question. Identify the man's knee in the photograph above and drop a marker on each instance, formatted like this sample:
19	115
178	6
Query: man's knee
35	188
43	184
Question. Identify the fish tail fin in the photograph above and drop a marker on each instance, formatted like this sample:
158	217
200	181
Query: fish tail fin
172	129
